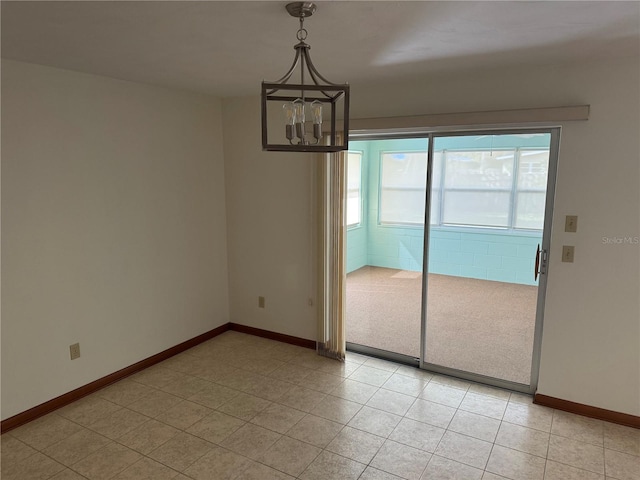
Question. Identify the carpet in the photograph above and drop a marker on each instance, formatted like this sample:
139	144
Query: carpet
478	326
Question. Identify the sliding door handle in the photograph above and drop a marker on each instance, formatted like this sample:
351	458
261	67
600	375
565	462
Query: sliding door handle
541	263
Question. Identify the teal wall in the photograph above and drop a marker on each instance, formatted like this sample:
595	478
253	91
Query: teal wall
506	256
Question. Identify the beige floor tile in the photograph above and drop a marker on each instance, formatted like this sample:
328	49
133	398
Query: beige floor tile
381	364
354	391
186	386
310	359
241	380
329	466
392	402
463	449
356	358
336	409
441	468
278	418
559	471
407	385
106	462
301	398
124	392
213	396
524	439
269	388
492	476
148	436
216	427
157	376
146	469
375	421
291	373
68	474
251	440
577	454
289	455
88	409
417	434
476	426
263	365
45	431
370	376
522	398
621	466
516	465
529	415
577	427
257	471
13	450
315	430
34	467
371	473
402	460
181	451
322	382
218	464
432	413
490	391
451	382
244	406
621	438
443	394
155	403
356	444
76	447
484	405
184	414
119	423
341	369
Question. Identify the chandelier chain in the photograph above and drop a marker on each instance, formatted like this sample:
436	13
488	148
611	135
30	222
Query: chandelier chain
302	33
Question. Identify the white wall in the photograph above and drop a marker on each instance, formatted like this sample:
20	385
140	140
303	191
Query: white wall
270	227
113	226
591	340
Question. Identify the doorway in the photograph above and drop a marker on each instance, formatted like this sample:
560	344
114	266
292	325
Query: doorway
440	258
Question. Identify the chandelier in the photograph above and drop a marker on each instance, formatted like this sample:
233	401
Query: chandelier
305	114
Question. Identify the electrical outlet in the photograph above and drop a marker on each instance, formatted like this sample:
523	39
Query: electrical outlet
260	302
571	223
567	253
74	350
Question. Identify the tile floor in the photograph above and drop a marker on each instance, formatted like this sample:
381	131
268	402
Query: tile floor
243	407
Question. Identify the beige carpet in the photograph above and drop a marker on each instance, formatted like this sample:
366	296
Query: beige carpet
473	325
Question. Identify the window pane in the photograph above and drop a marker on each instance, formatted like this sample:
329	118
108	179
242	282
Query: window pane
354	179
402	206
434	211
404	170
530	210
404	186
486	170
534	169
477	208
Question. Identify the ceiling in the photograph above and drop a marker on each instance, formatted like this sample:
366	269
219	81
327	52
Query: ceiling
228	48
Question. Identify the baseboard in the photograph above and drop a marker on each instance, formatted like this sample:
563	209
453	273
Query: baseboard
280	337
587	410
70	397
67	398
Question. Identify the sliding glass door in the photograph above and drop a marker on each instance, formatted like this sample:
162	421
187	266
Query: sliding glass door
488	198
443	235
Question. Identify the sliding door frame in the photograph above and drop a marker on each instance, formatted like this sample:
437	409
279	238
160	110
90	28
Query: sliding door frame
431	135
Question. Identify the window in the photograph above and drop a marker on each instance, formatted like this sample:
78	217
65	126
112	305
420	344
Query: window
403	183
354	190
481	188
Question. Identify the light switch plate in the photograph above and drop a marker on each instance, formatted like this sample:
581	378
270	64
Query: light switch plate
571	223
567	253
